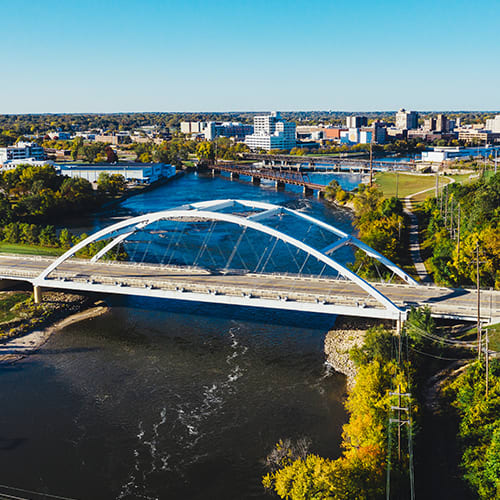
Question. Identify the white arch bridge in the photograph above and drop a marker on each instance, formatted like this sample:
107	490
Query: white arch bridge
244	253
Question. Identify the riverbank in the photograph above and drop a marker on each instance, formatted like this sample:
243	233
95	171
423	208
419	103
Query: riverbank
33	324
347	333
140	189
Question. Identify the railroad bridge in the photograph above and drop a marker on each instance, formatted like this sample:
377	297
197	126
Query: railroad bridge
324	162
280	178
245	253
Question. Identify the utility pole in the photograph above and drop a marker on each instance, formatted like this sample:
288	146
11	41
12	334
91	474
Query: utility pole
441	204
487	354
437	186
400	422
451	217
371	162
478	304
446	207
458	230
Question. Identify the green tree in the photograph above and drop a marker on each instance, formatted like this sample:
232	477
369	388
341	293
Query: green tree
111	184
77	193
205	151
29	234
11	233
48	236
65	239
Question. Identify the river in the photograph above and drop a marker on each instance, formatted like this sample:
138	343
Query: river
160	399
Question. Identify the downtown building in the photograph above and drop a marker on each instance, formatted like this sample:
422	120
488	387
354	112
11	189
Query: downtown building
406	120
234	130
271	132
356	121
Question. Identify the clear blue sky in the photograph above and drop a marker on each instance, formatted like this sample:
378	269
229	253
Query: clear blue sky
187	55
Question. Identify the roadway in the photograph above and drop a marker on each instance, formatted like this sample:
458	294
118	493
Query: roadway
191	284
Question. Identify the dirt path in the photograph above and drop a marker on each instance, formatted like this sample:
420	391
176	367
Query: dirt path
414	240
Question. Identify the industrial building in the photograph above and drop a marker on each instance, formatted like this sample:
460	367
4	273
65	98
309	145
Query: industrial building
141	173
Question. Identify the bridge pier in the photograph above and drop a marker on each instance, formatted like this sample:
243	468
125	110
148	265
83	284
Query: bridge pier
280	185
320	194
37	294
308	191
215	171
256	180
234	175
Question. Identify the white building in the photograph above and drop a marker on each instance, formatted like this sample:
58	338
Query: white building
493	124
271	132
142	173
444	153
193	127
227	129
356	121
11	164
22	151
406	120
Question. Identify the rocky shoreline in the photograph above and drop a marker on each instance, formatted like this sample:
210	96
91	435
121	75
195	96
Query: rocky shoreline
36	323
347	333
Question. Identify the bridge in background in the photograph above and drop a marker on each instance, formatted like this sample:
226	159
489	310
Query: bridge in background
221	271
280	178
327	163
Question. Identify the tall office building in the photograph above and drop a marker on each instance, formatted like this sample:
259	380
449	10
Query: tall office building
441	123
406	120
271	132
356	121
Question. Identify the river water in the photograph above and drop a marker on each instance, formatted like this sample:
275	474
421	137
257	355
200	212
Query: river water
160	399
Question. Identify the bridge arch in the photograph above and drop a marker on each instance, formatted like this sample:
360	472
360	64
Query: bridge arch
211	210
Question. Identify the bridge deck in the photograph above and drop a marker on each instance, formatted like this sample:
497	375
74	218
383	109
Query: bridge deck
273	175
280	291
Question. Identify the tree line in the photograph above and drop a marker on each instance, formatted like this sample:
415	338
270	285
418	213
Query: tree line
36	194
381	224
47	236
462	226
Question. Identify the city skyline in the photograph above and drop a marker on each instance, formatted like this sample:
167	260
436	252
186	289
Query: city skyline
193	56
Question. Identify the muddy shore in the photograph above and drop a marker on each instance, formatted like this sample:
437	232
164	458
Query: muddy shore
25	334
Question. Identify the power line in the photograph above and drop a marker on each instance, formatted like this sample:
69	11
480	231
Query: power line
48	495
436	357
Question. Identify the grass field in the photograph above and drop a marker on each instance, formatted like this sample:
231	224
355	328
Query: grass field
21	248
406	183
412	183
460	178
8	301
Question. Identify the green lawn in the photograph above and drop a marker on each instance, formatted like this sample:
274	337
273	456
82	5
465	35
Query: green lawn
407	183
21	248
8	301
457	178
